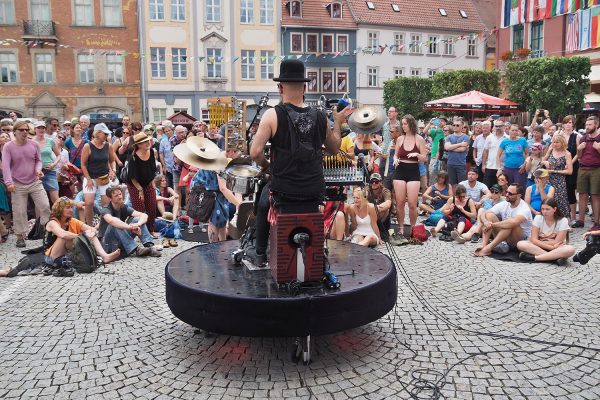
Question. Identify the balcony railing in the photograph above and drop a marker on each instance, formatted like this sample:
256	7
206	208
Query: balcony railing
537	53
39	29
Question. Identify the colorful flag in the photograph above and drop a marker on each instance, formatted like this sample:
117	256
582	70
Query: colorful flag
549	9
595	42
517	12
573	6
532	6
572	32
585	29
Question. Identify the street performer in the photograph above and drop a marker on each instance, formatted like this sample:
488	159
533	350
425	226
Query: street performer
297	133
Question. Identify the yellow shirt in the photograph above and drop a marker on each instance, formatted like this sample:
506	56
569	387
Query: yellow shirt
338	160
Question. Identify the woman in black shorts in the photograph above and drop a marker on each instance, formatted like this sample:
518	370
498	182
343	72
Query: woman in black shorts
410	150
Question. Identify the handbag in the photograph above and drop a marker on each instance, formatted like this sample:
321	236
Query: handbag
102	180
124	176
202	203
419	232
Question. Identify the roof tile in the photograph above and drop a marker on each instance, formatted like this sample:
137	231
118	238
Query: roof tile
315	13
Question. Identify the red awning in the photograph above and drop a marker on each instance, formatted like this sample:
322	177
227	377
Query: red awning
472	101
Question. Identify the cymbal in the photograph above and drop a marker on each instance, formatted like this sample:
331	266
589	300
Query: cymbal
367	119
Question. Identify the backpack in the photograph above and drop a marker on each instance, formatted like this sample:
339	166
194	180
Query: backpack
83	255
201	203
37	231
419	232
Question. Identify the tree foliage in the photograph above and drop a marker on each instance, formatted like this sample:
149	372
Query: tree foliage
556	84
451	83
408	95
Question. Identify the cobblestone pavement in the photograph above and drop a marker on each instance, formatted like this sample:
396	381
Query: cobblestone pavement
111	335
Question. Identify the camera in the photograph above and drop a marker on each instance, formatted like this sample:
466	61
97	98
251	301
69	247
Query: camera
591	249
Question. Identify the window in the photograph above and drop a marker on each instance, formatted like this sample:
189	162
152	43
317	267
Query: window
312	45
247	11
327	79
43	68
370	5
296	39
158	64
83	10
213	10
327	43
398	42
342	43
372	77
434	45
296	9
114	68
431	72
415	72
449	46
266	12
111	13
266	64
396	7
40	10
373	40
398	73
179	62
537	37
248	72
178	109
443	12
214	59
313	84
336	10
472	47
415	44
160	114
8	68
157	10
463	13
342	82
7	12
517	37
178	10
85	68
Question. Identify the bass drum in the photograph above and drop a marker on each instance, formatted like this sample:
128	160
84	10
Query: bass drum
241	179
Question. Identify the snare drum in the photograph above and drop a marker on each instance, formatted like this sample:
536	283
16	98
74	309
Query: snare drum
241	179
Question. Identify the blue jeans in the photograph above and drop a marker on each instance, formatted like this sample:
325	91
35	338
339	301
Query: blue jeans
124	239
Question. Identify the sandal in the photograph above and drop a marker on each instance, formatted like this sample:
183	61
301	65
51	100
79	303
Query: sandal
173	243
165	243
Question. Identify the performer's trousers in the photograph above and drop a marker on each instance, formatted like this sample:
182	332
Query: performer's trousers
262	223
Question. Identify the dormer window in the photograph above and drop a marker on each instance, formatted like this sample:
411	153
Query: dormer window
296	9
396	7
336	10
443	12
463	13
370	5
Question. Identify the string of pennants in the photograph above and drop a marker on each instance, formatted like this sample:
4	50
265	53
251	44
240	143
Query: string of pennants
380	49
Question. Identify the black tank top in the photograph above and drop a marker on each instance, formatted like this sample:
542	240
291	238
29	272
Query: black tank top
297	155
143	171
97	163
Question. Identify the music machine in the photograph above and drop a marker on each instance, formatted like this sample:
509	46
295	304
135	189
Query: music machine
302	291
230	111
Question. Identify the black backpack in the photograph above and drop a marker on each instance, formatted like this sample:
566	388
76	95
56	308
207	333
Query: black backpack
83	255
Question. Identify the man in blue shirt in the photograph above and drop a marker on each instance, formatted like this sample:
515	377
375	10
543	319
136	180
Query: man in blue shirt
457	146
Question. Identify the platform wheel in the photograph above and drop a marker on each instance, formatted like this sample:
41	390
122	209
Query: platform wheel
237	257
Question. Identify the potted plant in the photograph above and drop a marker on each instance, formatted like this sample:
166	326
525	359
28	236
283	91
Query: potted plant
523	53
507	56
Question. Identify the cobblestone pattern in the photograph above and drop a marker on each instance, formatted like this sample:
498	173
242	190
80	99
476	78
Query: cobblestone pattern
111	335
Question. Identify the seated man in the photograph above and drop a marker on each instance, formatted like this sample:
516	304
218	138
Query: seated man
476	190
507	222
381	197
117	232
61	231
474	234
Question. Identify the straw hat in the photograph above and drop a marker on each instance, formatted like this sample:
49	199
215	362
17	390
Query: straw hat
185	153
203	147
141	138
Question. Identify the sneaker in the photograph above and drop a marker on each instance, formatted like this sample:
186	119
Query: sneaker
48	269
257	258
142	251
20	242
37	270
501	248
397	239
64	272
190	230
594	228
475	238
561	262
165	243
458	237
149	244
577	224
525	256
154	252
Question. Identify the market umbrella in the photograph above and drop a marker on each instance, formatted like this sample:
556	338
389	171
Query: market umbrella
473	101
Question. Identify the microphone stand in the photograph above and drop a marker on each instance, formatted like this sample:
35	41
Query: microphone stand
261	104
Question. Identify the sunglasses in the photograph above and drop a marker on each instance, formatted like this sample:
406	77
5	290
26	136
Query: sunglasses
495	192
462	196
510	194
458	125
375	181
61	137
23	130
6	130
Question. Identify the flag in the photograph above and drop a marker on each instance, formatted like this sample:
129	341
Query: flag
531	10
549	9
573	6
572	32
585	29
595	41
517	12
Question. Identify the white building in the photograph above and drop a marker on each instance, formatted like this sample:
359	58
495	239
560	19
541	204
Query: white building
417	39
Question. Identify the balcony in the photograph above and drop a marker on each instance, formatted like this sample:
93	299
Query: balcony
39	33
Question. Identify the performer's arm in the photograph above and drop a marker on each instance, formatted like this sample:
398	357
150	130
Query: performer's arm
268	125
333	139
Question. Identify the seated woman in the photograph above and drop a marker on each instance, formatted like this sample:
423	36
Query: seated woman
61	231
338	226
363	221
503	182
437	195
548	237
475	232
538	192
166	198
458	209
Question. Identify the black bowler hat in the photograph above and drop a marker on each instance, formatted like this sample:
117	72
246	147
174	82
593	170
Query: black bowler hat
291	71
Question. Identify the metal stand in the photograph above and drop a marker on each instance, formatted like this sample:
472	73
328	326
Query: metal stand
301	349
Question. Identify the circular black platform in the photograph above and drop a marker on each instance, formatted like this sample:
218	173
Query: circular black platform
205	289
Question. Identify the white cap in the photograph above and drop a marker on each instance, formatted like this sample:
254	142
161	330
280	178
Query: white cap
102	127
39	124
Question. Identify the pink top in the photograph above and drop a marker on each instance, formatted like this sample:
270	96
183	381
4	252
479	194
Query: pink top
20	163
